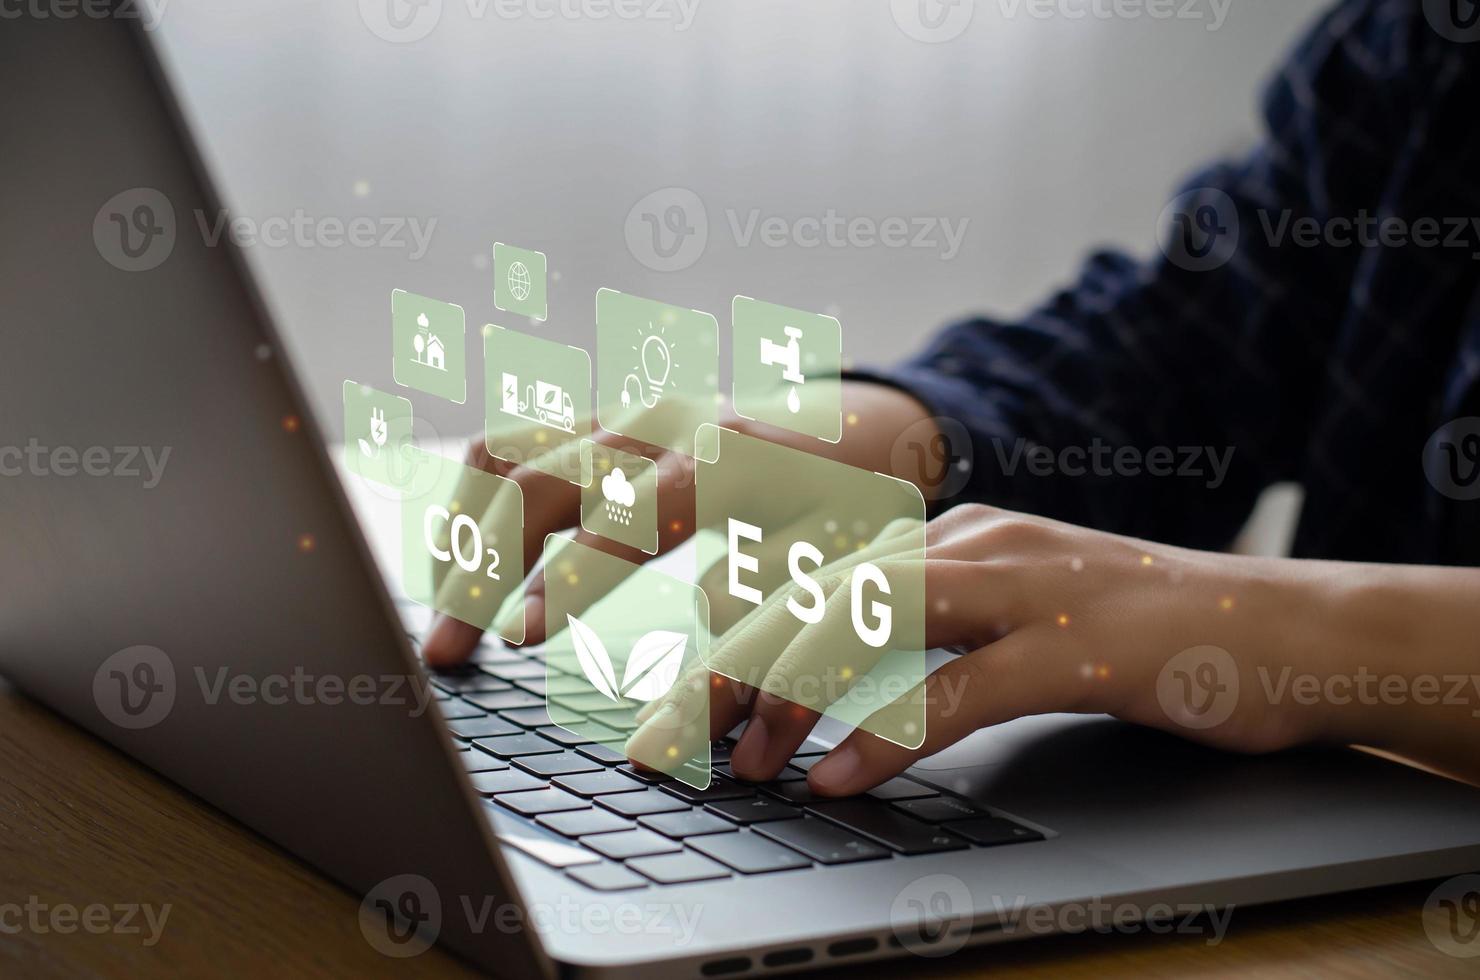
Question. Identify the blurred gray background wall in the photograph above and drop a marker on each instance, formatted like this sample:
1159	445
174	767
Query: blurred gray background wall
1043	129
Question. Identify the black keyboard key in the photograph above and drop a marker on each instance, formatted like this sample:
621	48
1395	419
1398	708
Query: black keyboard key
630	844
939	809
720	749
644	775
686	823
508	781
469	683
793	792
536	802
597	783
821	841
511	746
804	763
991	831
579	823
505	700
589	732
606	877
514	670
604	754
456	709
535	717
749	854
900	788
557	734
481	761
495	653
757	809
719	788
674	869
546	686
641	804
484	726
622	719
557	764
583	702
786	775
880	822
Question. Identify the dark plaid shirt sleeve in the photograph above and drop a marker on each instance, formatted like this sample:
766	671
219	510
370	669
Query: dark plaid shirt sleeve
1222	343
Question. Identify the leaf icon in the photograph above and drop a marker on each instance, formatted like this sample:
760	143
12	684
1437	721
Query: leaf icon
595	663
652	666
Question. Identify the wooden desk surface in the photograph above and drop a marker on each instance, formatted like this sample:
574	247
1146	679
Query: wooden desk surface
81	824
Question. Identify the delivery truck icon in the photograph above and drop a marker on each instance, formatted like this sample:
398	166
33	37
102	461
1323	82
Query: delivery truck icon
542	402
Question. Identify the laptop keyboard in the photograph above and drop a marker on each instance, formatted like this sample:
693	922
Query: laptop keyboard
612	827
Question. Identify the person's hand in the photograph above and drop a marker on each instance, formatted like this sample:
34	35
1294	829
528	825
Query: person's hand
1057	618
551	505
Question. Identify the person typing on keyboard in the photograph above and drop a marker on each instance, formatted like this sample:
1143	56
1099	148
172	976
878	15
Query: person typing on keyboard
1306	323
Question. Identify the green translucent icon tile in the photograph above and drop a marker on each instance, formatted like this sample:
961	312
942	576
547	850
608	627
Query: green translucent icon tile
462	549
638	640
519	281
620	501
788	368
538	408
657	370
815	576
429	345
377	434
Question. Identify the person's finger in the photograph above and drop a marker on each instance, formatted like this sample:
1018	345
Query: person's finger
583	586
545	505
1013	678
824	663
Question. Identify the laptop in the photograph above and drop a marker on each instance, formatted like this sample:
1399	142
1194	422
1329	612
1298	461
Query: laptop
174	527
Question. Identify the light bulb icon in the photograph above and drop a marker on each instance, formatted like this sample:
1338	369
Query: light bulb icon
656	361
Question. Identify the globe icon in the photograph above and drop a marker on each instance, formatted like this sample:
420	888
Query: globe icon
518	278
